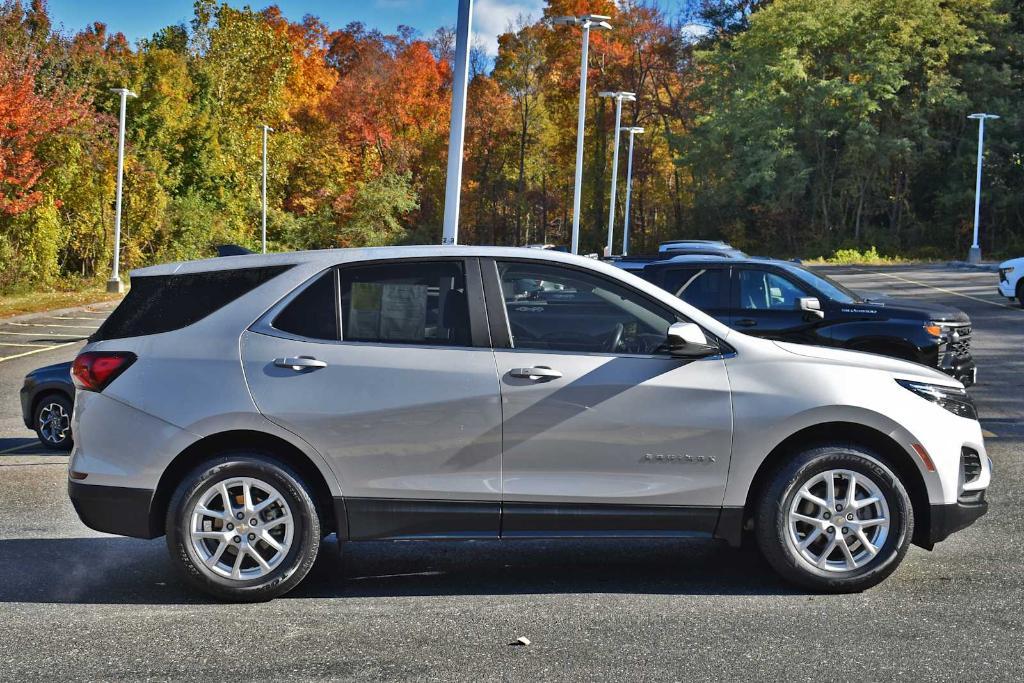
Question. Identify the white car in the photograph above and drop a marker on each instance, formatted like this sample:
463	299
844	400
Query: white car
1011	279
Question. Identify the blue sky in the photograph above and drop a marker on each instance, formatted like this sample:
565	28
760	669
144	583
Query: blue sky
141	18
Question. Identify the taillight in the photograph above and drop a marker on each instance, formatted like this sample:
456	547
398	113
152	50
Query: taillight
94	370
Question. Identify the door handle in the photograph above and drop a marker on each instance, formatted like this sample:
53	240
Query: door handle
300	363
746	322
539	373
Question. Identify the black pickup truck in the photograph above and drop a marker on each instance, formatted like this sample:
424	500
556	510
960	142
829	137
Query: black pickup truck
782	300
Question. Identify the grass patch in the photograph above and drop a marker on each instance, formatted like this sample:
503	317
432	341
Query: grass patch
67	296
855	257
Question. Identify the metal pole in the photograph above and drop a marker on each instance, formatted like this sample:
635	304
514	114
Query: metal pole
615	175
114	284
629	188
457	132
266	129
975	254
580	121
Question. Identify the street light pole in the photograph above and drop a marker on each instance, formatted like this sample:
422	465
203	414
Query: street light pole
457	130
974	256
114	284
586	22
633	131
618	96
266	129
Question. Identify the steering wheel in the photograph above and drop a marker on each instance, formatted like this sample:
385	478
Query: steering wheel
616	337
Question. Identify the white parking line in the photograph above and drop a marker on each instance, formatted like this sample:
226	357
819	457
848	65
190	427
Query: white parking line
942	289
41	335
77	327
45	346
29	353
67	317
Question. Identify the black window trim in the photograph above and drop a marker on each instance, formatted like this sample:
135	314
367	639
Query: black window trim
501	330
478	322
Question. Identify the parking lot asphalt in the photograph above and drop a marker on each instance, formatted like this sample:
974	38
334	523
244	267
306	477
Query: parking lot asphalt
78	604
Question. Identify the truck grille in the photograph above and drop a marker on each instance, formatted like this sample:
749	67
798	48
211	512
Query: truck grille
962	347
962	344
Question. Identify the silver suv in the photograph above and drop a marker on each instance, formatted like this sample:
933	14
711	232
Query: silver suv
249	406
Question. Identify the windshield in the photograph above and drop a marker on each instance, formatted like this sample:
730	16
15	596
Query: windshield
827	286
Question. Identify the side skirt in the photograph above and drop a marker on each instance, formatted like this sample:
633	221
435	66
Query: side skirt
362	519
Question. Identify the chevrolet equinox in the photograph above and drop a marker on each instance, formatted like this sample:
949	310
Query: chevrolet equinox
248	406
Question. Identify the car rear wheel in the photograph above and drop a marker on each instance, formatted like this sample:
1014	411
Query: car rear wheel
53	421
835	519
243	527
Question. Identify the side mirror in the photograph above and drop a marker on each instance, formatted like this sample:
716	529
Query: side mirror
687	340
811	306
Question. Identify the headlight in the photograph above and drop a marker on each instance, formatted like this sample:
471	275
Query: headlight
956	401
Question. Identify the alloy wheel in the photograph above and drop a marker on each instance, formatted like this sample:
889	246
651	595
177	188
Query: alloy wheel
54	423
241	528
838	521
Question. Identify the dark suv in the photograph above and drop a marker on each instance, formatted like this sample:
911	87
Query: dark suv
785	301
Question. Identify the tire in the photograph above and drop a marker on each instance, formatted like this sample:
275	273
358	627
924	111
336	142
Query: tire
778	534
51	418
1020	292
285	496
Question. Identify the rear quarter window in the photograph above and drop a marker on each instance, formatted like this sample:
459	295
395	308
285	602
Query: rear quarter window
163	303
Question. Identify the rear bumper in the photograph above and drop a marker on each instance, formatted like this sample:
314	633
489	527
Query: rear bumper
113	509
947	519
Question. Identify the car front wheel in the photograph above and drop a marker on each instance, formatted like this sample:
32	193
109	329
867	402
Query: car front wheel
243	528
835	519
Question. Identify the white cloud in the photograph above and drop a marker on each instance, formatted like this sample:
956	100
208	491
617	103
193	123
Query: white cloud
491	18
693	32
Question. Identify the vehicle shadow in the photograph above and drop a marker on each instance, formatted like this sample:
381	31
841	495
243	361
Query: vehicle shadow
114	570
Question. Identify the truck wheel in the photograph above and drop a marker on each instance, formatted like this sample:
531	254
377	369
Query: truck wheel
52	417
834	519
243	527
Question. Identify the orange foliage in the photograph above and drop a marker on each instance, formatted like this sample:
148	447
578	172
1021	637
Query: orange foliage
391	94
26	118
312	79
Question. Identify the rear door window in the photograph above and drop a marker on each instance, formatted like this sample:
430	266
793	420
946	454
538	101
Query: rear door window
163	303
704	288
412	302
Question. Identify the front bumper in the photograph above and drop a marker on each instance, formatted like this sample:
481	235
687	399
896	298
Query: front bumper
1005	289
26	406
946	519
113	509
962	368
